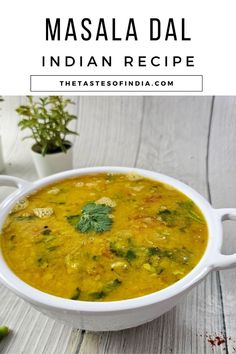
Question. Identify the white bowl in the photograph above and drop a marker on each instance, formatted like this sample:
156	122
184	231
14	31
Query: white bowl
116	315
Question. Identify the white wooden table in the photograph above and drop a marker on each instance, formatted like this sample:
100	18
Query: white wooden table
190	138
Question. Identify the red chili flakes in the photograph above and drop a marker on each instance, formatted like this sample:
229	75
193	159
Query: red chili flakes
152	198
215	340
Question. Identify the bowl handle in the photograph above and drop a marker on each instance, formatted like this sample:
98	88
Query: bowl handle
12	181
222	261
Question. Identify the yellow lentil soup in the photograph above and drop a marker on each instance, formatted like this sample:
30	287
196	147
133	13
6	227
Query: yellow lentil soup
104	237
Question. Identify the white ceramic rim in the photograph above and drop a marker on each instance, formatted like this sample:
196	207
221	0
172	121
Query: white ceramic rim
211	259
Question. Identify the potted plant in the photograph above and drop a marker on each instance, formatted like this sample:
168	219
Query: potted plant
1	154
48	118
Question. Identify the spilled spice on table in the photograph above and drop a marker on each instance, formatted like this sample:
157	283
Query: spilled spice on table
216	340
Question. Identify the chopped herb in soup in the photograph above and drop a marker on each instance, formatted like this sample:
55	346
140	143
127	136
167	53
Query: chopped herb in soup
104	237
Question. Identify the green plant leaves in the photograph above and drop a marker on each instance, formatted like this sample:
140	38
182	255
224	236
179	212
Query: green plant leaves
48	120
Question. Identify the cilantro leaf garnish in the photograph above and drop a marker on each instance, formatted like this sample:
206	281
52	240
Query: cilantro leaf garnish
94	217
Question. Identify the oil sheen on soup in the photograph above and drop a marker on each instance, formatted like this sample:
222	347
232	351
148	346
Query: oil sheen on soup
104	237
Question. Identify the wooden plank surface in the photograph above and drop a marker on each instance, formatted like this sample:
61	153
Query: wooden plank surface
109	130
165	134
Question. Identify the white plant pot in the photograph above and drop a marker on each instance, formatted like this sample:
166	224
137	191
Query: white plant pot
52	163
